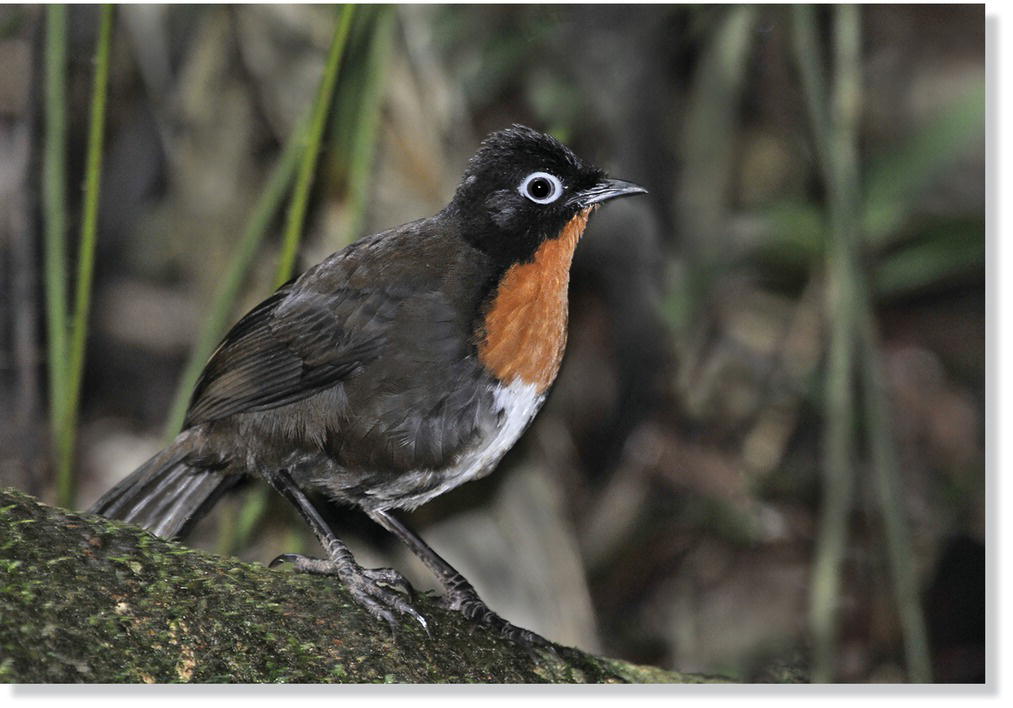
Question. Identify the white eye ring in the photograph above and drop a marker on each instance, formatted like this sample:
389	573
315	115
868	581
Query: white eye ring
540	178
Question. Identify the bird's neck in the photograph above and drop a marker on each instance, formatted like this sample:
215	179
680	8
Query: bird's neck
524	330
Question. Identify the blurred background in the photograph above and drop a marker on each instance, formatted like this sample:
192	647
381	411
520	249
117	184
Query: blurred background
764	456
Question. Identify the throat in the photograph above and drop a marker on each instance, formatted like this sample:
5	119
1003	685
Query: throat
524	332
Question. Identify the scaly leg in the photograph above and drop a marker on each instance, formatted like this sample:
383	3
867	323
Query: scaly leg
461	596
371	587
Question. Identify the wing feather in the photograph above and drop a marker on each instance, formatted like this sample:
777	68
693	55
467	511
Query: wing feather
294	344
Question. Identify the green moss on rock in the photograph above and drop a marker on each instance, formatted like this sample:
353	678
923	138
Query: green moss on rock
84	599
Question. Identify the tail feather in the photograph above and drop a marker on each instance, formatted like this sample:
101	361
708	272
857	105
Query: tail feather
129	490
164	495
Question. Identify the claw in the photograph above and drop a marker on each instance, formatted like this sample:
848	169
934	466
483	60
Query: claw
409	610
368	589
377	590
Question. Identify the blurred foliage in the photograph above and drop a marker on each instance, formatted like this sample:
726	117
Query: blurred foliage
311	151
73	358
664	506
55	208
906	258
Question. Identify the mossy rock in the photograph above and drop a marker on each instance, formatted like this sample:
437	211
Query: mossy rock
84	599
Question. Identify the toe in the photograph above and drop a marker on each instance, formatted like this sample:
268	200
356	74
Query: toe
380	601
380	591
389	576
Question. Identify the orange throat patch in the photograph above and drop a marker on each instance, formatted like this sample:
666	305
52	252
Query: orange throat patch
525	328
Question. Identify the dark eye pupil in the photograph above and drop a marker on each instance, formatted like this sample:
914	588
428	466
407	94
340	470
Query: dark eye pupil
540	188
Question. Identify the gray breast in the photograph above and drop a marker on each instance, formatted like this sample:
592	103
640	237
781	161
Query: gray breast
514	405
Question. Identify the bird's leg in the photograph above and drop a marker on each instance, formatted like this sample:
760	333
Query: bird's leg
460	595
372	588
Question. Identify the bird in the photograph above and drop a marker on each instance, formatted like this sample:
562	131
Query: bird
391	372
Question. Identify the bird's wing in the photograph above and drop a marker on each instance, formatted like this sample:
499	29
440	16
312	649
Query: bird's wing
294	344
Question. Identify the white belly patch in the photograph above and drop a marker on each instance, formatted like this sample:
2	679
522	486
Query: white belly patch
517	404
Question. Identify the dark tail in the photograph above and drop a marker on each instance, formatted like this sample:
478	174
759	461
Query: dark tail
164	495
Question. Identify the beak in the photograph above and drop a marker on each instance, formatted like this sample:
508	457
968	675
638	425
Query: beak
606	189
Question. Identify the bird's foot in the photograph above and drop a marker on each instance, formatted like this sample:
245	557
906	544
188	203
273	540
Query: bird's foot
374	589
462	597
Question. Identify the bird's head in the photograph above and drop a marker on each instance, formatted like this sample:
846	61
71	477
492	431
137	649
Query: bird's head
522	188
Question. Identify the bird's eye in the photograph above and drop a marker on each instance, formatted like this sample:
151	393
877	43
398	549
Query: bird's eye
541	187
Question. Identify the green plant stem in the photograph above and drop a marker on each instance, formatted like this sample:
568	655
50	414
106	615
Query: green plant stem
708	145
54	208
307	168
834	131
851	322
67	430
224	299
847	100
838	474
891	504
365	122
807	55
